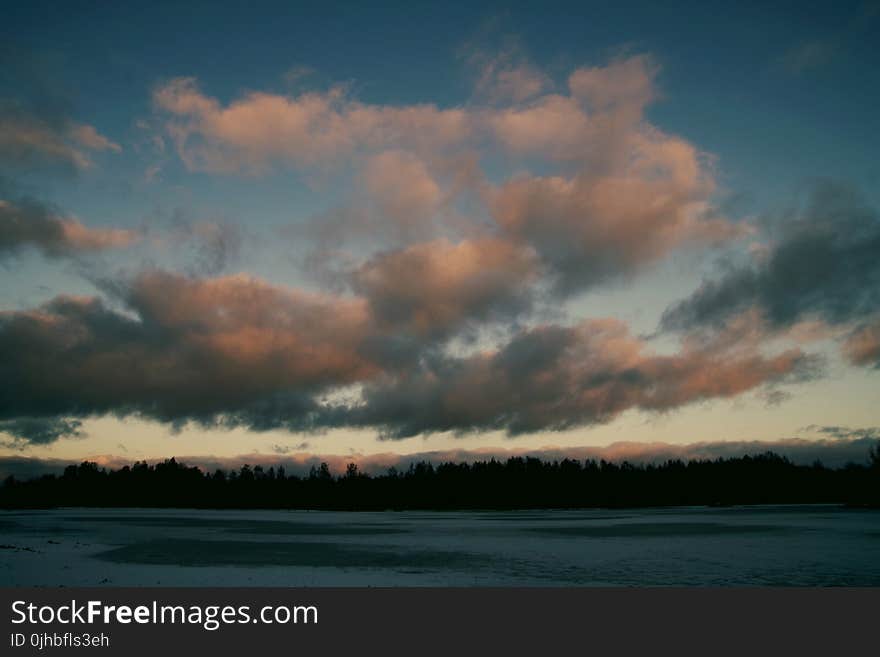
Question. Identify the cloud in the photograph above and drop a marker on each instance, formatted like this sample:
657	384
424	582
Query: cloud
24	467
812	54
38	128
310	130
32	224
462	250
831	453
589	229
554	378
824	264
207	246
237	351
598	123
626	83
289	449
845	433
809	55
634	195
181	349
89	137
862	346
27	143
617	194
295	74
404	189
630	194
506	76
437	287
39	431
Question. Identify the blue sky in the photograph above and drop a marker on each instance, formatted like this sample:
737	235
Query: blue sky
741	82
769	104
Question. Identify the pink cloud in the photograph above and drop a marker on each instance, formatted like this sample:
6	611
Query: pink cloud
88	136
32	224
626	84
236	350
625	196
30	141
309	130
402	186
862	346
436	287
507	76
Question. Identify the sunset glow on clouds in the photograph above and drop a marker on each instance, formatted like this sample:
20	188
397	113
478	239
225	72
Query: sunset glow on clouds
397	269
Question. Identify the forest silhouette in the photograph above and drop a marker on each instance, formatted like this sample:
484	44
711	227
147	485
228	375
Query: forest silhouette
517	483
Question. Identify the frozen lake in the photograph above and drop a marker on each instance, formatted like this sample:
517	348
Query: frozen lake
742	546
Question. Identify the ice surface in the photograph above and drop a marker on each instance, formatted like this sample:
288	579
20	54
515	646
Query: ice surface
779	545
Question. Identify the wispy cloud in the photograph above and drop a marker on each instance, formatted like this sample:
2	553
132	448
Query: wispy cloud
808	56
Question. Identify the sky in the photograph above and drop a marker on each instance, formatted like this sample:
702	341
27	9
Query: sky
263	231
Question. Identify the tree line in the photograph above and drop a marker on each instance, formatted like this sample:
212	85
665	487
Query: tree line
517	483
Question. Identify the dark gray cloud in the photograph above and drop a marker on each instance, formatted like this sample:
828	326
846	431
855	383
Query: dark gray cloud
29	223
184	349
24	467
208	246
40	430
290	449
217	246
39	133
823	263
554	378
236	351
845	433
616	197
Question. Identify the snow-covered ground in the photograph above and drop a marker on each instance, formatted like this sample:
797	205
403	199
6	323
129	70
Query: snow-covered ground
819	545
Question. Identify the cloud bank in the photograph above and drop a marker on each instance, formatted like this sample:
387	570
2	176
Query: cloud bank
238	351
619	194
461	222
831	453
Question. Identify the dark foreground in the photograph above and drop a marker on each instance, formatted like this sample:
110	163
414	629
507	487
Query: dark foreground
518	483
697	546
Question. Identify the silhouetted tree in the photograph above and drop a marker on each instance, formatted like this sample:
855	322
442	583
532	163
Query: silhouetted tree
518	482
